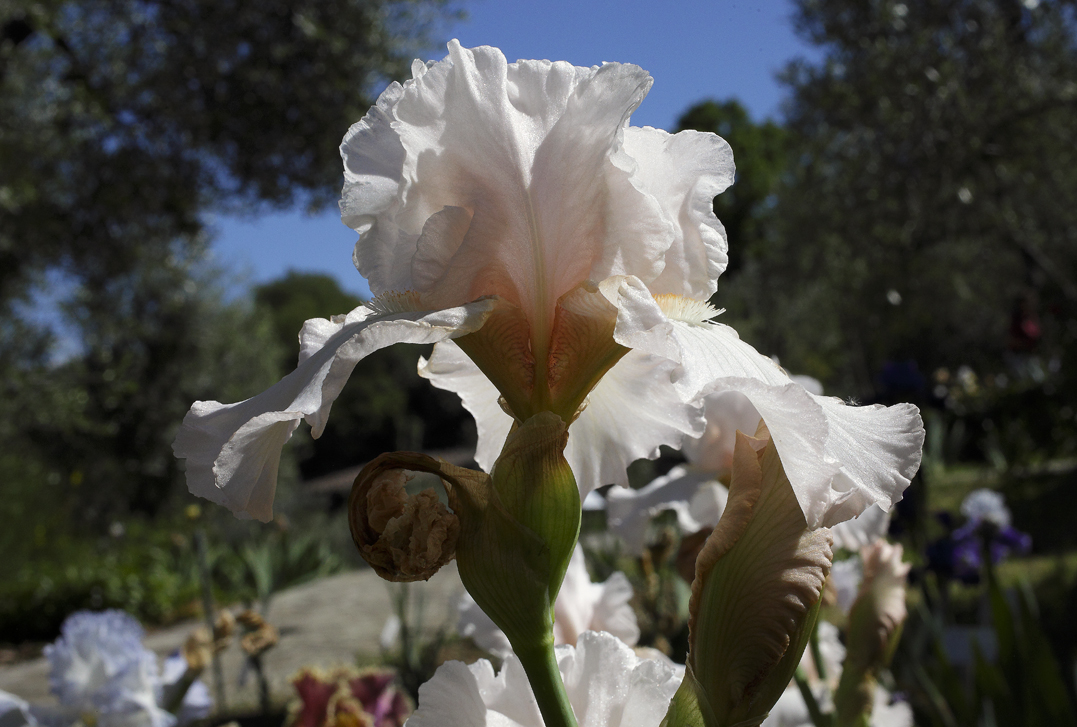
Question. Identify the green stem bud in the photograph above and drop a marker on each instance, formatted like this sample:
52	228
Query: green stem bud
512	534
755	597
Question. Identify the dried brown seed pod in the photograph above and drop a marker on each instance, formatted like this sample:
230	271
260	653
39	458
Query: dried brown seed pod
264	637
403	537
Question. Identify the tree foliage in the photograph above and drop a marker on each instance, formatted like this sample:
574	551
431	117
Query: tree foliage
123	121
928	214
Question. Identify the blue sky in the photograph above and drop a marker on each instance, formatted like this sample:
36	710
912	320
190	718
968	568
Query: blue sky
694	49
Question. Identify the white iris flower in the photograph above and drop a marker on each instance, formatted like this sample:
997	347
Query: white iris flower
512	208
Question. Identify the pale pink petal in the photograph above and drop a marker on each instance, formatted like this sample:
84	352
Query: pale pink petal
727	413
529	156
685	172
233	450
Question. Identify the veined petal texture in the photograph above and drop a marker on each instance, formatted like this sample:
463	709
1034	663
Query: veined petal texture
483	177
840	459
233	450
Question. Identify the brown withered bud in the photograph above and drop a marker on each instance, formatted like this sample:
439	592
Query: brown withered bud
403	537
250	619
197	649
261	639
223	628
689	551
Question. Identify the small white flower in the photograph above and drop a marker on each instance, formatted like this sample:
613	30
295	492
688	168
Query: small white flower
581	606
608	685
99	670
99	666
987	506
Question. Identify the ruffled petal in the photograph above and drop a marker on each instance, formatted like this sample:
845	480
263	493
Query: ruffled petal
528	154
727	413
840	459
233	450
607	685
685	172
452	699
630	414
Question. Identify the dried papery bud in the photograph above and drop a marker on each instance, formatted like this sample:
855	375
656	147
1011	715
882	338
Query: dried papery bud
223	628
250	619
198	648
260	640
403	537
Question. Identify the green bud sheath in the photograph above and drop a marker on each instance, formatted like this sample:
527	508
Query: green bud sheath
755	597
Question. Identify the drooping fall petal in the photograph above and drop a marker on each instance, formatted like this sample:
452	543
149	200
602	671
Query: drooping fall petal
233	450
840	458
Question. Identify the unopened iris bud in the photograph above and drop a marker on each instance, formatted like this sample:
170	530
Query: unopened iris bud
755	597
875	622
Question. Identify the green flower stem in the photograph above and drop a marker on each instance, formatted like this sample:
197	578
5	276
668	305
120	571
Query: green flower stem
817	654
817	717
540	665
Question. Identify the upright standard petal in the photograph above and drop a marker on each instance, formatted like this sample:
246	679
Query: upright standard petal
685	172
480	177
841	459
233	450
